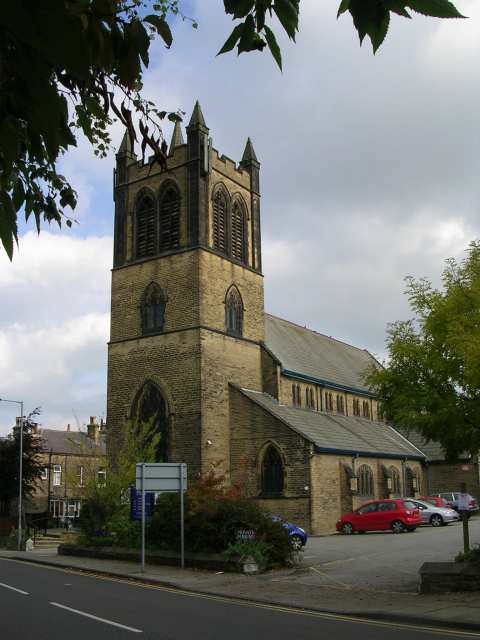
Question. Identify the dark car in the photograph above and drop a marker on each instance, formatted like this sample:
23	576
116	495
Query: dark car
452	497
379	515
298	536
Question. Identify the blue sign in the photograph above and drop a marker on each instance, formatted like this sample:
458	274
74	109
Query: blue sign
136	504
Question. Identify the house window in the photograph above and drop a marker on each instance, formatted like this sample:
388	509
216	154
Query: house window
234	312
272	472
153	309
145	228
366	409
57	475
238	232
328	401
80	476
365	481
396	485
44	475
220	209
169	215
101	477
340	404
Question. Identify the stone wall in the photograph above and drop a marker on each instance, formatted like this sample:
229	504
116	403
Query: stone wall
443	476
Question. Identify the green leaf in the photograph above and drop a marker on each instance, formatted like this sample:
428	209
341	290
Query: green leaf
273	46
287	12
344	6
435	8
247	39
162	27
8	223
18	196
232	39
370	18
239	8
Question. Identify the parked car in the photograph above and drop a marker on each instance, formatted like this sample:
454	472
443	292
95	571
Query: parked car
436	516
436	500
451	498
399	515
298	536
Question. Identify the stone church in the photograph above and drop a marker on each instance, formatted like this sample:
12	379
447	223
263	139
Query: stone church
281	410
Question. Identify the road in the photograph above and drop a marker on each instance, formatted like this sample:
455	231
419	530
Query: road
381	560
40	603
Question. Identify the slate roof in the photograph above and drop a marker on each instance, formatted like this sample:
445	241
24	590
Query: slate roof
316	356
71	442
338	434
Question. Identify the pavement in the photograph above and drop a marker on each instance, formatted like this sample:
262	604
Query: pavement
284	588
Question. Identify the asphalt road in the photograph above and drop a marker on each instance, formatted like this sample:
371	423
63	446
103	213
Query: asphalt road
381	560
39	603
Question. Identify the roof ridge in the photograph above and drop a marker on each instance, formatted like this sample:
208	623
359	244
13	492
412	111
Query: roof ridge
318	333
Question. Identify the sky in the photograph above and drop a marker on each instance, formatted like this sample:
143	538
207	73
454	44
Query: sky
369	173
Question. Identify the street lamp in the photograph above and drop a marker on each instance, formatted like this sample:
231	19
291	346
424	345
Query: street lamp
20	472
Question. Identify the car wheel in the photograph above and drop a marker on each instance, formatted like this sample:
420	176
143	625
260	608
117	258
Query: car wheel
436	520
397	526
347	528
297	542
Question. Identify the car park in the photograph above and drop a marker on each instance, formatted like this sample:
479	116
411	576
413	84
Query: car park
298	536
433	515
452	499
398	515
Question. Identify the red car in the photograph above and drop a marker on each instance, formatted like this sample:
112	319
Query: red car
436	500
398	515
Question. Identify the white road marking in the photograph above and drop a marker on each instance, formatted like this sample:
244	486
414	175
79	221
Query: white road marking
7	586
89	615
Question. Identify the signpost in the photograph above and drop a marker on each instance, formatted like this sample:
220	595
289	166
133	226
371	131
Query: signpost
163	477
136	504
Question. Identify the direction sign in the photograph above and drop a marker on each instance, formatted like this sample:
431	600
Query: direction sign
136	504
161	477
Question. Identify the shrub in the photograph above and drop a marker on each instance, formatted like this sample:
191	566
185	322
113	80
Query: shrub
471	556
213	518
255	549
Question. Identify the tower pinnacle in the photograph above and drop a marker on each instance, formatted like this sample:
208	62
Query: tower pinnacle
177	137
197	116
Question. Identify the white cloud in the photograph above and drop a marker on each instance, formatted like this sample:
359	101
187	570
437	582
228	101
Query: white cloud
54	327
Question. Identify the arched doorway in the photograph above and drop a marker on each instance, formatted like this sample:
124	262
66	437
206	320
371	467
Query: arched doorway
150	407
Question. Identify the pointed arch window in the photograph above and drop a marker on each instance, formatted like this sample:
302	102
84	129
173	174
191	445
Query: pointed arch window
272	472
365	481
153	309
145	227
238	232
366	409
411	483
220	211
396	484
234	312
150	413
169	217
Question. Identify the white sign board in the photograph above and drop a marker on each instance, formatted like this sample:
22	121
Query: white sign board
161	477
463	503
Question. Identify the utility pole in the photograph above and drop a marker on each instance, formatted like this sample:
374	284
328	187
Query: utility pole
463	508
20	472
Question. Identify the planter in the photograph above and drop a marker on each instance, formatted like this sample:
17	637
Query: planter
442	577
211	562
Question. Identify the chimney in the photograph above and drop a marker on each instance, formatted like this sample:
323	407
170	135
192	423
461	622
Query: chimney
93	429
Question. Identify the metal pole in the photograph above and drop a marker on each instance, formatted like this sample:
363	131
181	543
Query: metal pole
182	531
20	481
143	516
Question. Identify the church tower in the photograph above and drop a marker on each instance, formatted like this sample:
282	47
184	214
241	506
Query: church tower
187	314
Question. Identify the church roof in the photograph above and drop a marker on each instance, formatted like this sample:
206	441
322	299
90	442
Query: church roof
71	442
317	357
333	433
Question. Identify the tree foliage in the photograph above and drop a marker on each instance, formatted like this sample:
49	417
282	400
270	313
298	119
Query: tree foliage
9	462
432	380
75	67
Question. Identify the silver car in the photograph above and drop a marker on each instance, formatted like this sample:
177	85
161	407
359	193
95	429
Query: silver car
436	516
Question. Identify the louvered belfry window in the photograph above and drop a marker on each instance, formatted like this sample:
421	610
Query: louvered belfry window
146	228
153	309
220	221
238	232
169	219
